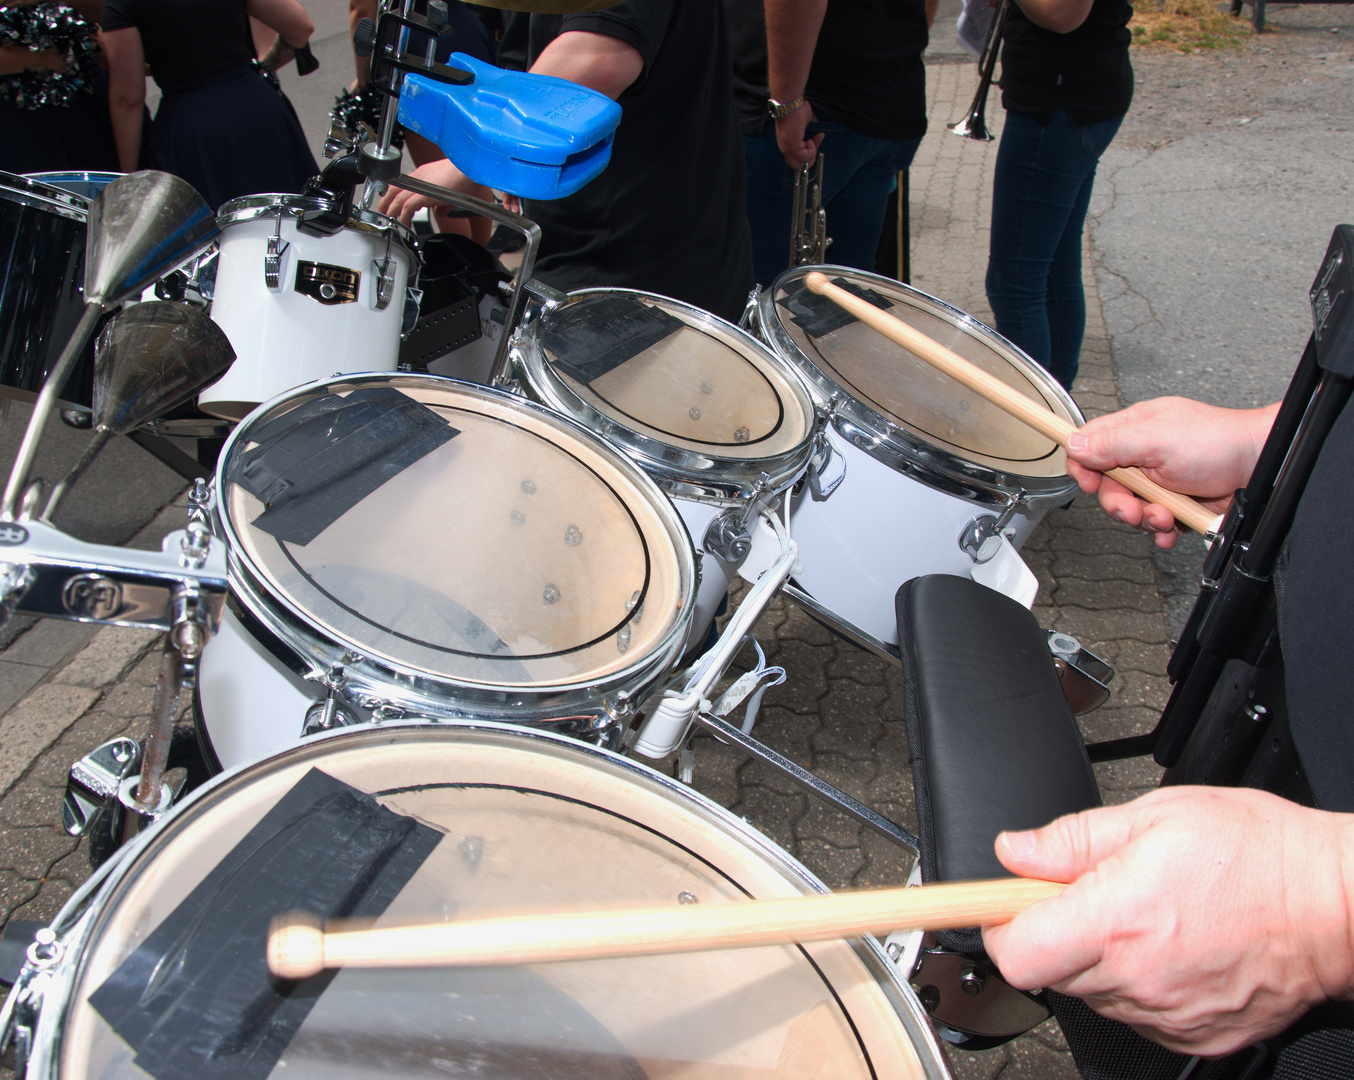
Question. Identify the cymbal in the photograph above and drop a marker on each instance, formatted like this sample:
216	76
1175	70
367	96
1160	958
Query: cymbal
548	7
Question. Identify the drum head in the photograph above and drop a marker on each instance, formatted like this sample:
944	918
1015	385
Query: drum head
435	824
454	532
669	379
842	356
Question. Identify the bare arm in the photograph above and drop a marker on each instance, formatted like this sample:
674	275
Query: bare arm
1060	16
598	61
792	28
126	92
357	11
287	17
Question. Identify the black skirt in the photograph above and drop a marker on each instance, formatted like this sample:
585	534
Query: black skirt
229	135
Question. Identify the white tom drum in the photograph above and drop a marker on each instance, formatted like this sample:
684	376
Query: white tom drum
418	546
162	972
929	477
704	408
299	307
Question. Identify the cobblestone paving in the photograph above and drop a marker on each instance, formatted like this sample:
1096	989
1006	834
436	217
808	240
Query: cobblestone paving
839	714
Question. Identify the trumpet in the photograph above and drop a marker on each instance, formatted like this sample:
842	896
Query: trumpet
808	221
974	125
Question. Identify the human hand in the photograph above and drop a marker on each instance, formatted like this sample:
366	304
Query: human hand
1187	446
799	150
397	202
1206	918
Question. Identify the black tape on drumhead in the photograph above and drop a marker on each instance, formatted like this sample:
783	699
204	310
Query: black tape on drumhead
818	316
587	339
195	1001
313	464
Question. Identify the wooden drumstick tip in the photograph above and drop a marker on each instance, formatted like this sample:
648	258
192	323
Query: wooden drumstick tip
815	280
295	946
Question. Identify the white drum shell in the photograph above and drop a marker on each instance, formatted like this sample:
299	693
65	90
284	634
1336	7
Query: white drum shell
878	529
284	338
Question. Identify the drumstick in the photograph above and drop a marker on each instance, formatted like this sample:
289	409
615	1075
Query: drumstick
1031	412
299	946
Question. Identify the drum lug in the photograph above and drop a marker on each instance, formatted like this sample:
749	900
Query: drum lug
749	320
334	711
413	306
272	259
385	281
1081	673
981	537
729	536
822	454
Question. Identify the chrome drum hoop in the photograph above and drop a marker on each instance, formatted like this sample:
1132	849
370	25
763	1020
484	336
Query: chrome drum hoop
681	472
253	207
405	690
46	997
891	441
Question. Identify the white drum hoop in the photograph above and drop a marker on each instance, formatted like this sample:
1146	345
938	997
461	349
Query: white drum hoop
392	687
683	471
892	440
253	207
48	1007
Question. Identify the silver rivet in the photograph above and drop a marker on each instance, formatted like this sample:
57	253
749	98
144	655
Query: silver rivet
685	897
573	536
694	413
551	594
517	517
328	291
529	486
742	435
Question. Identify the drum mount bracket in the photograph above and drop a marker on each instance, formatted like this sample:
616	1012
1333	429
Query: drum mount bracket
729	536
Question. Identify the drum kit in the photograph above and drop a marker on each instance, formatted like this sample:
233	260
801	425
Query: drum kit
427	623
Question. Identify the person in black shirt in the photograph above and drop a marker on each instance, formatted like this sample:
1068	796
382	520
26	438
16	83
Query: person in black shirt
667	213
1066	85
221	124
845	78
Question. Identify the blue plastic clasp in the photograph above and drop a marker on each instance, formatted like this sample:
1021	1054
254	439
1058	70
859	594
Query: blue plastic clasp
534	136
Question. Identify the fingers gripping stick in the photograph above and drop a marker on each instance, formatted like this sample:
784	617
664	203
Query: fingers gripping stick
1027	410
299	946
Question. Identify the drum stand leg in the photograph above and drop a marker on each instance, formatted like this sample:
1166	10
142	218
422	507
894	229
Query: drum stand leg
814	785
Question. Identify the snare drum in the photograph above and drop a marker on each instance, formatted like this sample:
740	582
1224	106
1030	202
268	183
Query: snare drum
432	548
298	307
42	242
703	407
162	971
920	458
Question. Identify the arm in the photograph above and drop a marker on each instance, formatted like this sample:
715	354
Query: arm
126	92
1060	16
1207	918
1196	449
792	28
357	11
597	61
292	24
402	204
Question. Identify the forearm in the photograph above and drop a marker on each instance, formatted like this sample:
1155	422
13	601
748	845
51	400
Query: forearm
597	61
791	36
357	11
127	120
287	17
278	56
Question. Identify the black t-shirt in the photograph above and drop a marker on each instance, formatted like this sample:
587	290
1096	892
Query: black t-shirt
185	40
867	70
1086	71
667	214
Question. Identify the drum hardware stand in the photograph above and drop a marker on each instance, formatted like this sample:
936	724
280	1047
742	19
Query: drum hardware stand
808	225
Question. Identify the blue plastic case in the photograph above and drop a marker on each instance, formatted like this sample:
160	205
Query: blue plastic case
535	136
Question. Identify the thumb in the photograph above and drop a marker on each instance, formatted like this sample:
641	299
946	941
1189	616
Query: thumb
1068	847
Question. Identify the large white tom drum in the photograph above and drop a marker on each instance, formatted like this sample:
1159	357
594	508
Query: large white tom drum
703	407
451	550
922	455
162	973
298	307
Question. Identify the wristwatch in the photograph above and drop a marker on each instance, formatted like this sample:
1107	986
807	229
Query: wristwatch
779	111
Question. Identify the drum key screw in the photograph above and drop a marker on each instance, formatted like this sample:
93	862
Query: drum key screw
929	997
742	435
972	980
551	594
45	950
573	536
895	950
685	897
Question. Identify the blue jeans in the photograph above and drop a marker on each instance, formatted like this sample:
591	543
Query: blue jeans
1040	193
858	173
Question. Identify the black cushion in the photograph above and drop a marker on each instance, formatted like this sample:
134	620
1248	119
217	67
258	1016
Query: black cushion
992	742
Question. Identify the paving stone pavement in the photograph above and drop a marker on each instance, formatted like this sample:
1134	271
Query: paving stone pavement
839	713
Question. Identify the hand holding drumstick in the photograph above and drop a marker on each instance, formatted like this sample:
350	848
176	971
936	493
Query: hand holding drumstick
1174	462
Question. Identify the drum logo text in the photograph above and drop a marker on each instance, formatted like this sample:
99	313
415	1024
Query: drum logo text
327	284
92	596
12	534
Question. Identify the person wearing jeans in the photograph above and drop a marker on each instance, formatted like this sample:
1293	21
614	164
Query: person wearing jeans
1066	85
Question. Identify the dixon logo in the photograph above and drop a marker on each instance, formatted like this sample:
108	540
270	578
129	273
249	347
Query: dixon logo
11	533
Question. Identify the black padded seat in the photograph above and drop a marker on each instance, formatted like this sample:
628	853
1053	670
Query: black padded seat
992	742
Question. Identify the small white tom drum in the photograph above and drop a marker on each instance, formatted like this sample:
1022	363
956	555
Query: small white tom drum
299	307
919	456
162	972
437	549
704	408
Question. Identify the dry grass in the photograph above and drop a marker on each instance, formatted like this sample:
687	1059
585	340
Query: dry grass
1187	25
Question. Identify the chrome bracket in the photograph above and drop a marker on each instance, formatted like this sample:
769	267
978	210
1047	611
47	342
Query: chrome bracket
272	259
729	534
981	537
546	297
334	711
92	787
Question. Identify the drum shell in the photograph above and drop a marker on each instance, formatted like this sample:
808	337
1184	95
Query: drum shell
861	981
283	338
393	689
42	248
